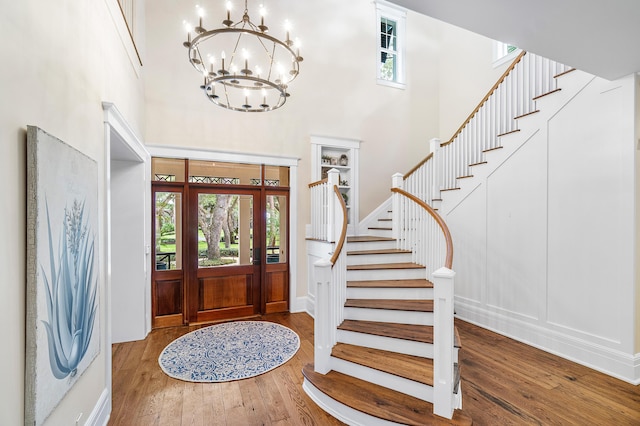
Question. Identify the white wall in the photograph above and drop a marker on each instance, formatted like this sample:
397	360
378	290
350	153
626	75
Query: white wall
466	75
130	287
336	93
60	60
545	242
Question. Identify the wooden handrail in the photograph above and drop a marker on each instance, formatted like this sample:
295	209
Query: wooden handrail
417	166
320	182
493	89
443	226
343	231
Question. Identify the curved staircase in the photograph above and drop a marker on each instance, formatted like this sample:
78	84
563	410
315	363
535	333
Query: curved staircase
382	366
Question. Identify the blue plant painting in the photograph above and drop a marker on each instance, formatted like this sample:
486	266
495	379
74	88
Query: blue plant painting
70	292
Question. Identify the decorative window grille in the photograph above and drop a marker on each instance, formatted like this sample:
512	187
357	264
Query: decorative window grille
215	180
165	178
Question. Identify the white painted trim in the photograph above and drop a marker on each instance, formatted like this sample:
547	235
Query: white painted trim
379	212
114	123
337	142
295	305
102	410
606	360
211	155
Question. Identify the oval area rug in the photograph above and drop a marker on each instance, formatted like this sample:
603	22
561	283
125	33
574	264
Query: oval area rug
229	351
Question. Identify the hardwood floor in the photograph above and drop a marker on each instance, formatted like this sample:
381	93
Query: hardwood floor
503	382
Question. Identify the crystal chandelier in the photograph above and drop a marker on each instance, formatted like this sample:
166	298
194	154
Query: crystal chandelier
243	67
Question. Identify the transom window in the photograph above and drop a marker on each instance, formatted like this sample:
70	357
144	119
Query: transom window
390	57
503	52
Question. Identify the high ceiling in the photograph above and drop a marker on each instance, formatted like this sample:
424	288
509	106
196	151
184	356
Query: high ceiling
597	36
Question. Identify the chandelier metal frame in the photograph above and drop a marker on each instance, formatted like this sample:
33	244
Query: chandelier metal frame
220	85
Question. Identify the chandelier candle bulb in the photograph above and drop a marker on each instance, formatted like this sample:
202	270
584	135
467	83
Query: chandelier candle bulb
228	22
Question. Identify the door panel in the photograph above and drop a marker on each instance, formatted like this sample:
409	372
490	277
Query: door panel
225	269
167	277
276	291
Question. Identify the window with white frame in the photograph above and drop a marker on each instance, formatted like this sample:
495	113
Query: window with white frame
504	52
391	22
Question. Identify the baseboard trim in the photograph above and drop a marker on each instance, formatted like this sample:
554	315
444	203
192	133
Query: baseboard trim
102	411
303	304
609	361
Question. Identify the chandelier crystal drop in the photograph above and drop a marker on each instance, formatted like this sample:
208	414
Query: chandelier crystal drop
243	68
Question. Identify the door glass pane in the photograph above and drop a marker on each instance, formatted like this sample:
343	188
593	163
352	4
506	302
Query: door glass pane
276	228
276	176
167	169
168	230
225	230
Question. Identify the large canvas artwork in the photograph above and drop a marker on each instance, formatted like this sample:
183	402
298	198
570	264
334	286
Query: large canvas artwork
62	271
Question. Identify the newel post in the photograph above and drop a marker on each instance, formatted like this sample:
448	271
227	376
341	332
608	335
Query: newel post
443	341
436	179
333	178
397	181
322	323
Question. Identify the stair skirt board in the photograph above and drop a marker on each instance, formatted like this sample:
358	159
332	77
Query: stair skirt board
391	344
386	274
342	412
388	316
381	378
390	293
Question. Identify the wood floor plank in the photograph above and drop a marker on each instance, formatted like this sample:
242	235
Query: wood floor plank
504	382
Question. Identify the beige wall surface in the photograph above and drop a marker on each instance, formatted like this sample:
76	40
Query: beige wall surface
336	93
60	60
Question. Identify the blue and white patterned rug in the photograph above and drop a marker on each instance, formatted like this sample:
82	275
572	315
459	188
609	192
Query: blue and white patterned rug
229	351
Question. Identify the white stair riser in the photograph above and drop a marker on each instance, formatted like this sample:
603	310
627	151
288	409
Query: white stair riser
389	293
371	245
386	274
388	233
396	383
408	347
384	315
372	259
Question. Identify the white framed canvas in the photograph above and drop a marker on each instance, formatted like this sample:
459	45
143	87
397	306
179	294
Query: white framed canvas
62	330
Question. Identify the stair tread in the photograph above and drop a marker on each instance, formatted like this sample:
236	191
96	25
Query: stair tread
403	265
367	238
383	251
410	367
412	332
379	401
415	283
380	228
391	304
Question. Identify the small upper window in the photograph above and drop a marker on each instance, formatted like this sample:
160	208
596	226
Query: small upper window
391	36
503	52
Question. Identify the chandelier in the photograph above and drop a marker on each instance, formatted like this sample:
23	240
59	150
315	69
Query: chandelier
243	68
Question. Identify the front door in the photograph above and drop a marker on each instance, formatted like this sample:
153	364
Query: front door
224	245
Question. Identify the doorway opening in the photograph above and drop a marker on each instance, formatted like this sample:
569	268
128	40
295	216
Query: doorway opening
220	240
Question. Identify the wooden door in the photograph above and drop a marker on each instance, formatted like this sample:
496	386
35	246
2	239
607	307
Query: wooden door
167	289
276	267
224	277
